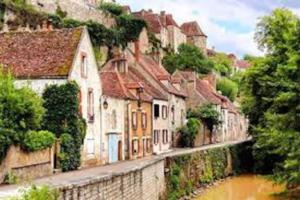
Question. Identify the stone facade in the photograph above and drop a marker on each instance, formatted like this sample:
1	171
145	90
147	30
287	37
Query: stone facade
112	123
175	37
27	166
82	10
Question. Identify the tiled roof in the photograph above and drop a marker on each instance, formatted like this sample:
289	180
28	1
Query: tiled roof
153	21
40	53
243	64
170	21
192	29
159	73
111	85
207	92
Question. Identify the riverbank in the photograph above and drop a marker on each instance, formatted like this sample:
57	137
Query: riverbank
147	178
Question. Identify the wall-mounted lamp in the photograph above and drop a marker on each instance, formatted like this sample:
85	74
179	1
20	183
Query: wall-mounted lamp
105	103
139	91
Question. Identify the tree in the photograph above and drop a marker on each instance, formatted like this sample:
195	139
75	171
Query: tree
222	64
188	132
228	88
189	57
208	114
272	96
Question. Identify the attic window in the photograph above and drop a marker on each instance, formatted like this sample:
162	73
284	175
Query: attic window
121	66
91	105
84	65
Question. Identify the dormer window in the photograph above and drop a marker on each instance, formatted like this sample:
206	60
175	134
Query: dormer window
84	65
121	65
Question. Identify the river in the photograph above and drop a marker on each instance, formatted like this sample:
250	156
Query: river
246	187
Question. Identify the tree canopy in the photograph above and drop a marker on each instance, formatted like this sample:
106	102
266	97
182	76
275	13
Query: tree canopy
272	96
189	57
222	64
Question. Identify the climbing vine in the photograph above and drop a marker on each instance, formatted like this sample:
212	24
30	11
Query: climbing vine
62	118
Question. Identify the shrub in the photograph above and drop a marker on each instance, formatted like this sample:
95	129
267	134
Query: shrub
188	133
228	88
38	140
38	193
112	8
5	141
11	178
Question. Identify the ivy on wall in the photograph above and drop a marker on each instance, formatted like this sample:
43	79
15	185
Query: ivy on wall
195	170
62	118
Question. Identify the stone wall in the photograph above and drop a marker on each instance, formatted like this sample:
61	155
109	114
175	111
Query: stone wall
146	183
152	180
78	10
26	165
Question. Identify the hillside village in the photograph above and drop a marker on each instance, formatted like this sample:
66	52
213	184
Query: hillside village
125	103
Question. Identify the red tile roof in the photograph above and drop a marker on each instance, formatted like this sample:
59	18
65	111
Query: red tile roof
111	85
159	73
40	53
192	29
153	21
207	92
243	64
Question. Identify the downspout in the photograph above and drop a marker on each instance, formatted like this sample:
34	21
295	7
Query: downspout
128	131
101	139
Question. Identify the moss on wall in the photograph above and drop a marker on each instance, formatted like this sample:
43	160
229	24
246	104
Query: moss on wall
204	167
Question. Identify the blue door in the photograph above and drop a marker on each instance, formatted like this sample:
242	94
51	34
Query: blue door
113	148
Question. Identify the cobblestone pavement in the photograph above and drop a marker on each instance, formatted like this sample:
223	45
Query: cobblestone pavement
69	178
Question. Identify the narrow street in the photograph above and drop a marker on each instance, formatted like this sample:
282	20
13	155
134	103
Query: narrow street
88	175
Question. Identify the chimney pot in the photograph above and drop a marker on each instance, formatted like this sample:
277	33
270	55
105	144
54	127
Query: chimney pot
137	50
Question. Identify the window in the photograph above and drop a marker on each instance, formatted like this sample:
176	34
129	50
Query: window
135	146
164	112
173	114
134	120
165	136
91	105
144	120
90	146
84	65
156	136
156	110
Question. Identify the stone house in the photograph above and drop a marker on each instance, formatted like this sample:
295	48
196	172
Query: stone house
195	35
200	92
47	57
164	27
172	110
239	65
139	96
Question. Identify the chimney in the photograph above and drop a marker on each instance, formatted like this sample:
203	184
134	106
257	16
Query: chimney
47	26
137	50
156	56
150	11
163	18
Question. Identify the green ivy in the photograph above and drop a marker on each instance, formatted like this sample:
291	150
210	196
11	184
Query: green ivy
112	8
62	117
188	133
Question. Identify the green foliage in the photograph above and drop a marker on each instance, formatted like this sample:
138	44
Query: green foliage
11	178
20	111
38	193
219	162
38	140
228	88
59	12
62	116
207	173
188	133
2	12
112	8
222	64
208	114
188	57
271	96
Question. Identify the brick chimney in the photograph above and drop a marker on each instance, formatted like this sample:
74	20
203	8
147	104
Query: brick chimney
46	26
137	52
163	18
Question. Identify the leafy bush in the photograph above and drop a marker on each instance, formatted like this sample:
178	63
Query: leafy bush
223	64
38	140
11	178
228	88
5	141
38	193
112	8
188	133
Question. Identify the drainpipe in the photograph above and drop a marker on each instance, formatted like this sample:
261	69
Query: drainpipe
101	139
128	131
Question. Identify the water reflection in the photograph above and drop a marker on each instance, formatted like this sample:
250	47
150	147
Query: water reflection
248	187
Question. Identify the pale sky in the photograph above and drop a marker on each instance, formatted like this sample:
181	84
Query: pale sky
229	24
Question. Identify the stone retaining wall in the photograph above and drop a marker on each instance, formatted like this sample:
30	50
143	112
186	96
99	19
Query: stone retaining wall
146	183
152	181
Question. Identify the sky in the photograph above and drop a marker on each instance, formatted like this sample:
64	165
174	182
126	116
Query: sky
229	24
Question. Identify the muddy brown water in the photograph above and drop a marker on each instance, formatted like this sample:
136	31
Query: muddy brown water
246	187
